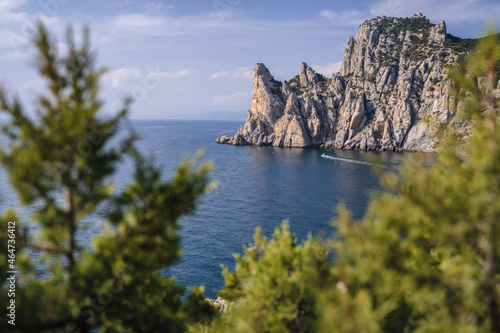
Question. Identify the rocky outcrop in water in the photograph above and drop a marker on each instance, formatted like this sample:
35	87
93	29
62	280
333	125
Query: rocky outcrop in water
390	93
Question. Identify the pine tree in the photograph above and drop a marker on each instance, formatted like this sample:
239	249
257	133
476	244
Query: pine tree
60	164
273	286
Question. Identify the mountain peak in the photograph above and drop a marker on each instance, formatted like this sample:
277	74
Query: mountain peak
307	75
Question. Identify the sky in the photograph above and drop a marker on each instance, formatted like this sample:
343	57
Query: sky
179	57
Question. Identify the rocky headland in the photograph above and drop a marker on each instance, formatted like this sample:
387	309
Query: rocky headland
391	93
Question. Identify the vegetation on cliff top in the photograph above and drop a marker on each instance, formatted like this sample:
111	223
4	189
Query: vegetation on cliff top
391	25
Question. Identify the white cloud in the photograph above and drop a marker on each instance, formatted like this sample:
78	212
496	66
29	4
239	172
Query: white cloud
345	17
220	74
125	77
9	14
153	5
132	25
236	97
327	70
9	39
18	27
11	4
389	8
119	77
232	22
16	39
9	17
172	75
239	73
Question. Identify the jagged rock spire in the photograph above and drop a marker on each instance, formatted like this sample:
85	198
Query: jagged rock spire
391	78
307	75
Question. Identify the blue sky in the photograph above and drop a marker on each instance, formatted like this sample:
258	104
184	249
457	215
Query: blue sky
190	56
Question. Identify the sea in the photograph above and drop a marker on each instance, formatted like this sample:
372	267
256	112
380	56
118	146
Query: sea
257	186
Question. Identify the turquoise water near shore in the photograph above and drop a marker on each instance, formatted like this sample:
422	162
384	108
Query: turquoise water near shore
258	186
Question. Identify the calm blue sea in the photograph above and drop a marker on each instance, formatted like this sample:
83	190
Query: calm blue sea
258	186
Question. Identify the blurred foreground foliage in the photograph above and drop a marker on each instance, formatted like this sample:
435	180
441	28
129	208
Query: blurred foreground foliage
425	258
60	164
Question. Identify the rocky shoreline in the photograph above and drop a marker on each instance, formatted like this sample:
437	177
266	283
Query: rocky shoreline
390	94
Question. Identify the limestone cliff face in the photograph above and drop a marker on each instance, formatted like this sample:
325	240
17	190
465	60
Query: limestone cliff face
390	93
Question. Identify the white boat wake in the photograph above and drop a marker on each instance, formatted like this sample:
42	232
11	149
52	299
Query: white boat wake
344	159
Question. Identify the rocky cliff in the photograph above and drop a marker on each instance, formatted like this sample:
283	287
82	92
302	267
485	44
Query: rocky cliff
390	93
